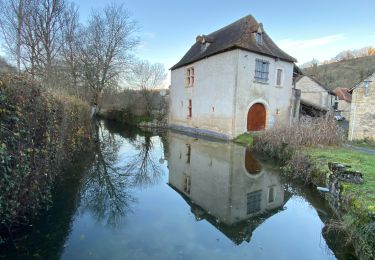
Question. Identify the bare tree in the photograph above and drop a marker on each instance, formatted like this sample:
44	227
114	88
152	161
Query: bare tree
70	47
146	76
31	43
108	40
49	22
11	23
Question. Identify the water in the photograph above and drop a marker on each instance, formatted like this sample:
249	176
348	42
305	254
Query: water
139	195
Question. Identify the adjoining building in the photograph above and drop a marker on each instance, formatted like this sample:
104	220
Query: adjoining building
343	102
362	112
316	98
232	81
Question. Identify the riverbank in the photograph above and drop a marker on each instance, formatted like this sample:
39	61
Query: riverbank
127	116
41	131
357	210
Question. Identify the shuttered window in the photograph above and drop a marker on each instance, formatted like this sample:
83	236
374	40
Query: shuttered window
253	202
261	70
279	75
190	109
190	76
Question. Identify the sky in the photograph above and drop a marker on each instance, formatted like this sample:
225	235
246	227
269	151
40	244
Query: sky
310	29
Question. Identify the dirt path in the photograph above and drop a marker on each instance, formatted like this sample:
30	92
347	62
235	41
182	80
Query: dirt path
361	149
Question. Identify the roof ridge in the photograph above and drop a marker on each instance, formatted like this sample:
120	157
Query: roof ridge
231	24
237	35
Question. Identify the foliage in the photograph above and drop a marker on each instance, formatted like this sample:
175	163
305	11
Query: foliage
48	42
344	73
146	76
282	142
39	130
105	47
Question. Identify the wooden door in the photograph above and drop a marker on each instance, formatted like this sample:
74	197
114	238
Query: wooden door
256	118
251	164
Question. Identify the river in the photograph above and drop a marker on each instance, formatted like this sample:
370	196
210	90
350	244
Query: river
143	195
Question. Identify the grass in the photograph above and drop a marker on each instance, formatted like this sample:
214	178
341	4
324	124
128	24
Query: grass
247	139
305	151
358	218
362	194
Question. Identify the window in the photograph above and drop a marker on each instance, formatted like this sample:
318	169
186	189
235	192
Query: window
190	76
336	105
259	38
187	184
188	153
253	202
271	194
279	77
261	70
190	109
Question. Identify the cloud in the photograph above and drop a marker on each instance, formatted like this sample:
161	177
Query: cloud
321	48
149	35
311	43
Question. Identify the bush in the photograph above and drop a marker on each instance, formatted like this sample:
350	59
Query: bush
282	142
39	131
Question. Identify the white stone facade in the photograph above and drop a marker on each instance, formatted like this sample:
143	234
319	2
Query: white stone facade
224	89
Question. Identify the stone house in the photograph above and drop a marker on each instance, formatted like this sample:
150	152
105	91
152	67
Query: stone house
316	98
230	186
342	102
232	81
362	111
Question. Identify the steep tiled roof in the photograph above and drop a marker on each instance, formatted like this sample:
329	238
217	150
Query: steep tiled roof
238	35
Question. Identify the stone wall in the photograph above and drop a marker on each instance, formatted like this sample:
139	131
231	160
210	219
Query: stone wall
362	114
344	108
314	93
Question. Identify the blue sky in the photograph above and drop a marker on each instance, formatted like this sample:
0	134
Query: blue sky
304	29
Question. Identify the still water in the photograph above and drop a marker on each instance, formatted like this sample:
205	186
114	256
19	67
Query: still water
139	195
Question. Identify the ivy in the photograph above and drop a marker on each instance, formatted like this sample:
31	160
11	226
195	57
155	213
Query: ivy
38	132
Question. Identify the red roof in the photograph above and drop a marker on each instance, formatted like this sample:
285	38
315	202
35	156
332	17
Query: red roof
343	94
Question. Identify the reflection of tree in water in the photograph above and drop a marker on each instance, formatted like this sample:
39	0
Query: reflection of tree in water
106	186
142	166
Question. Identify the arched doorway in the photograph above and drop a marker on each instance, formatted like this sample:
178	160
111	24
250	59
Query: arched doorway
256	118
252	166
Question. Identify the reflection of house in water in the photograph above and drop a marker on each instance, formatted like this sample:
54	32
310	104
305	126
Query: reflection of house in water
224	184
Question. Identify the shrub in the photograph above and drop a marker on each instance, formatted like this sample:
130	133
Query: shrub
39	131
282	142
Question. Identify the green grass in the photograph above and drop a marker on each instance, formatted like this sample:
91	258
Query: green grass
363	195
246	138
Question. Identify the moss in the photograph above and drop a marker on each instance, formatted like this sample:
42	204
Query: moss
358	219
247	139
359	161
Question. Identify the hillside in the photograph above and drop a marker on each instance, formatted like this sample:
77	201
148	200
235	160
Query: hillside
344	73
